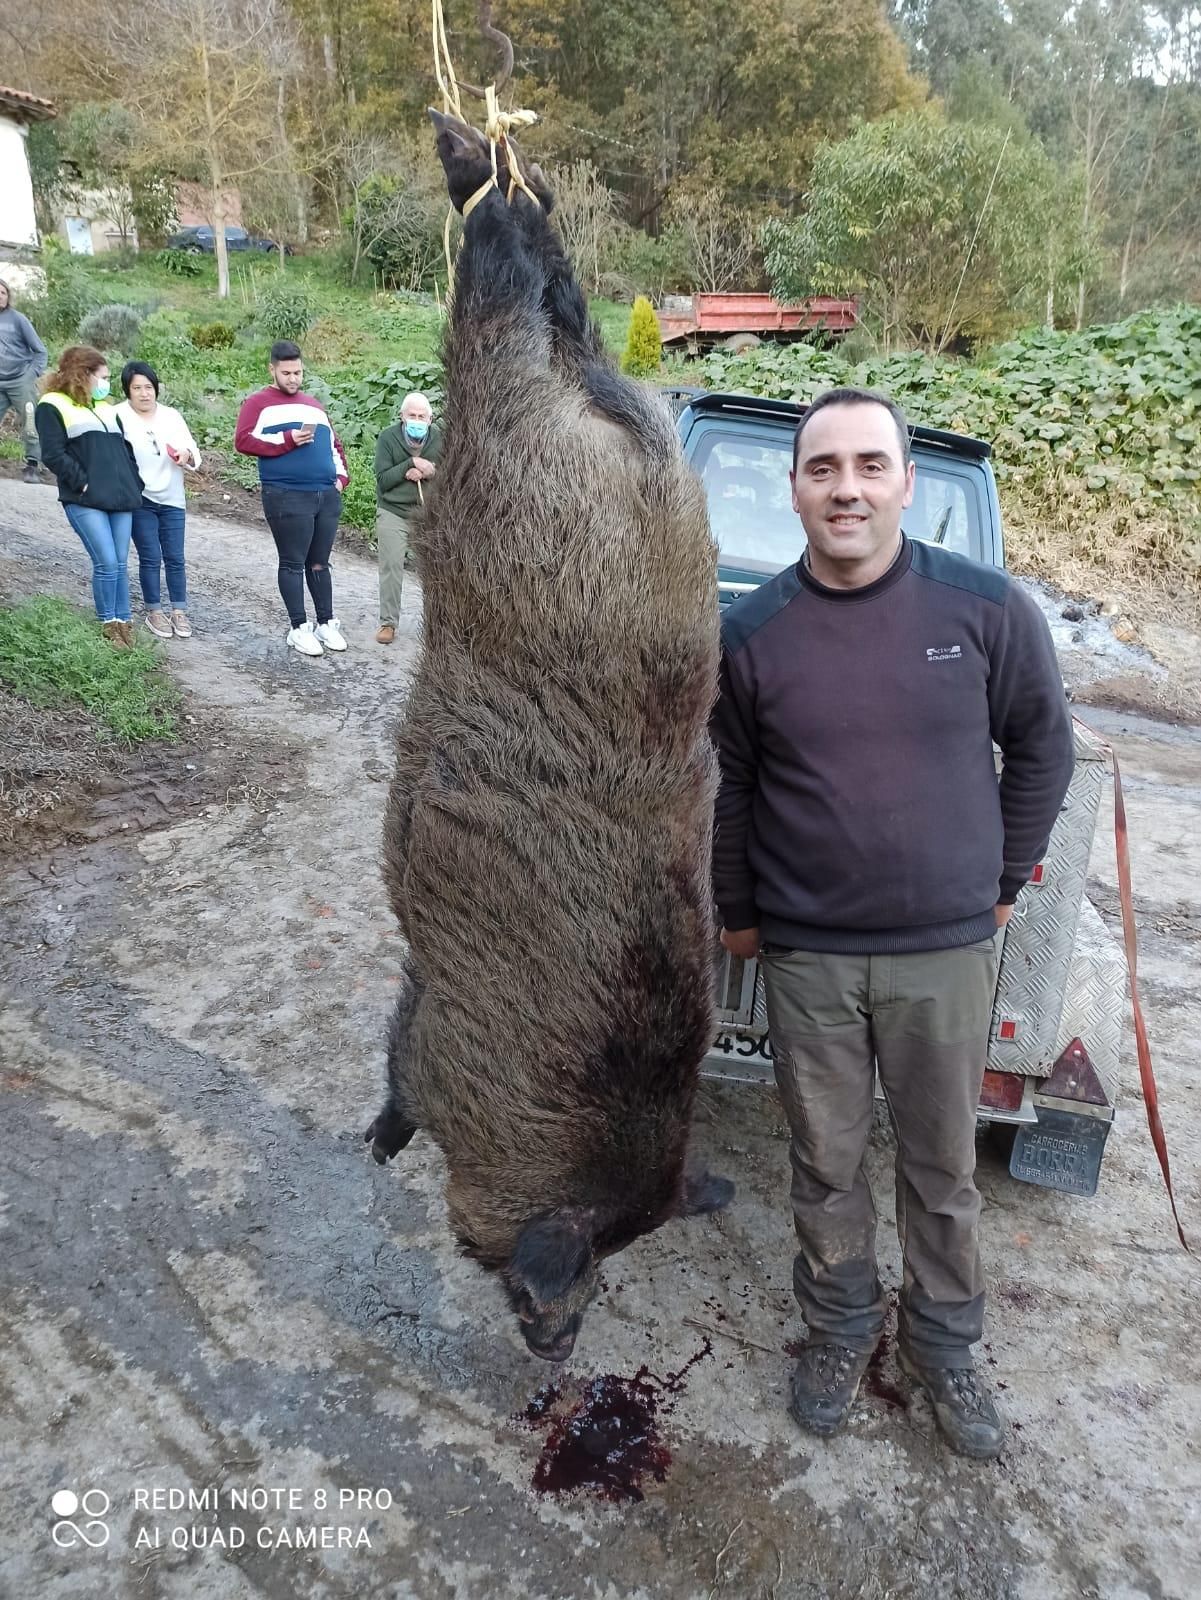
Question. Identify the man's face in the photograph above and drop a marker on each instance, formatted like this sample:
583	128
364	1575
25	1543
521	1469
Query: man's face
416	411
3	297
288	376
851	482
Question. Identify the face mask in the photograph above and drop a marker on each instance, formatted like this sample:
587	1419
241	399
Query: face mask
100	391
416	431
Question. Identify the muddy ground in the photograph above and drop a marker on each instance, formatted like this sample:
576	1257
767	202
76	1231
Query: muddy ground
208	1287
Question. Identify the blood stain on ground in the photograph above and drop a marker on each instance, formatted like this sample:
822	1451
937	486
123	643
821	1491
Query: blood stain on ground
608	1444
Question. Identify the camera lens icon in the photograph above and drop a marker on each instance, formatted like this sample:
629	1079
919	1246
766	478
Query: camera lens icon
93	1504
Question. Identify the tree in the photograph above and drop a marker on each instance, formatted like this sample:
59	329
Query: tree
717	239
586	216
947	231
200	75
644	345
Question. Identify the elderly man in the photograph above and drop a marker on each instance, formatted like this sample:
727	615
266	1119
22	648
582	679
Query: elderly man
866	853
406	456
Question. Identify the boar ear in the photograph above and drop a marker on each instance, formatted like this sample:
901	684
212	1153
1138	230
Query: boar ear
550	1255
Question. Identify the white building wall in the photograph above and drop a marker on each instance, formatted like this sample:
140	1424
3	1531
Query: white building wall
18	223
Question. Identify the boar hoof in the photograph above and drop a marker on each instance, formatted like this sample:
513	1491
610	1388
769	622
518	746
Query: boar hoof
387	1136
706	1193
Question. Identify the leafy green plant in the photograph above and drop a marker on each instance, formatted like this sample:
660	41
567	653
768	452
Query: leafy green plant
50	655
362	407
113	327
212	335
285	311
67	296
179	263
644	346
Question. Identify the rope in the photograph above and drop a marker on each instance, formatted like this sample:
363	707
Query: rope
498	125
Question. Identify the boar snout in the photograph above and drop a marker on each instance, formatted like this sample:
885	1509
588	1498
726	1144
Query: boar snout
550	1279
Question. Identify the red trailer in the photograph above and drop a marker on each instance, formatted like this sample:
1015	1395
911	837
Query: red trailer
741	321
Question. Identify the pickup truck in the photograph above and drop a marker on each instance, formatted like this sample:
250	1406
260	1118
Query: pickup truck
1057	1018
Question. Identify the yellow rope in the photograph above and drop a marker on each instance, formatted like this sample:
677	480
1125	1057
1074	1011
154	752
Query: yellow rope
497	127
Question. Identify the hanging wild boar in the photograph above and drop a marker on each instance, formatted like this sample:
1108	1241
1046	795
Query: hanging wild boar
546	844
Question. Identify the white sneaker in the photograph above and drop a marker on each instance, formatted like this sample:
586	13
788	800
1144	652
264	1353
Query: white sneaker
330	634
304	639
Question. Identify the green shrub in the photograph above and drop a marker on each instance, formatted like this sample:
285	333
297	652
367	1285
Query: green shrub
112	328
358	503
211	335
179	263
363	407
285	311
67	298
51	655
644	347
165	343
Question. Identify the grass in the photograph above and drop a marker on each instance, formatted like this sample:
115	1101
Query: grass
51	655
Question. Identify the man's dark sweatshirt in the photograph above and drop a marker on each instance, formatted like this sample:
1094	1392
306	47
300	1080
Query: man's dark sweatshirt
859	809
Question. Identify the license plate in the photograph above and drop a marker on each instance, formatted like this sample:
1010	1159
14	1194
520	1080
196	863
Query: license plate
1062	1150
745	1045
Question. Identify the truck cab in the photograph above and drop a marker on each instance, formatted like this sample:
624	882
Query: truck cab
1055	1036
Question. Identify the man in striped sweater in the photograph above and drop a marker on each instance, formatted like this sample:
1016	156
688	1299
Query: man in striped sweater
302	473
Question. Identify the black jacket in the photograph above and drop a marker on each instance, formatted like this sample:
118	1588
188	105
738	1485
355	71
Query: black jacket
87	452
859	807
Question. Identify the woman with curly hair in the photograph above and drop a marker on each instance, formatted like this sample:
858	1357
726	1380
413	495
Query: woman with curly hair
98	484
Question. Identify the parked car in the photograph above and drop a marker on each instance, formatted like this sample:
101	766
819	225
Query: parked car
1056	1032
202	239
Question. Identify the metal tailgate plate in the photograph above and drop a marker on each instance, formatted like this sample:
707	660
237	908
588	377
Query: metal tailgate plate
1062	1150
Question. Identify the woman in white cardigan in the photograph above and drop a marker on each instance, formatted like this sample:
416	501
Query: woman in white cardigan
164	449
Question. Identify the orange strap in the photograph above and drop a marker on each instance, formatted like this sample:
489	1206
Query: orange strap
1130	939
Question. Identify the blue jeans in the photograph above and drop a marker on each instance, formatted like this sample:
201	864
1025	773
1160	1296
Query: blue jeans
105	536
158	538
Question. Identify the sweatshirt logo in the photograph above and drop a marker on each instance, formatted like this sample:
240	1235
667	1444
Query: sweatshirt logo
944	652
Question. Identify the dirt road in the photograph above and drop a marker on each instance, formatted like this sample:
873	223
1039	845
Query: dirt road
209	1289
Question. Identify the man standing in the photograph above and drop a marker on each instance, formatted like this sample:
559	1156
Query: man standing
864	850
406	456
22	362
302	472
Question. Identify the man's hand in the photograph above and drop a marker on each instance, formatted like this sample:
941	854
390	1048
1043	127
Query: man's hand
741	942
303	435
413	475
1002	914
425	469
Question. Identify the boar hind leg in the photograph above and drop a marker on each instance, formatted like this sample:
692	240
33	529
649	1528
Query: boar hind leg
704	1193
393	1127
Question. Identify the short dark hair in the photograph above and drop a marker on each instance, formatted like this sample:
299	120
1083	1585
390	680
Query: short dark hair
137	369
852	397
285	350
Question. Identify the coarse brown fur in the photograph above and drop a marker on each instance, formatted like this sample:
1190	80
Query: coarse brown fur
546	844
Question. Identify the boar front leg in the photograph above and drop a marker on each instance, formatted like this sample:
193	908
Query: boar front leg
393	1128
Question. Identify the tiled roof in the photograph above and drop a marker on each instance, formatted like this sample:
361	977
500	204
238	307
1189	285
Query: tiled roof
27	105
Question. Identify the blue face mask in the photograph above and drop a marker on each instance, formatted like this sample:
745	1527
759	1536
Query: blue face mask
416	432
100	391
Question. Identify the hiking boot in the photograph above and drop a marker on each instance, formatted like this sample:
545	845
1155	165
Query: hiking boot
115	635
825	1382
386	633
963	1408
128	634
32	473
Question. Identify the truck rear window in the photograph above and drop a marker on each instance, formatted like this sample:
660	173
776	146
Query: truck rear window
745	474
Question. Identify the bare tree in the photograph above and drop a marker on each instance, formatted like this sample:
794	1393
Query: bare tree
718	239
200	73
586	216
